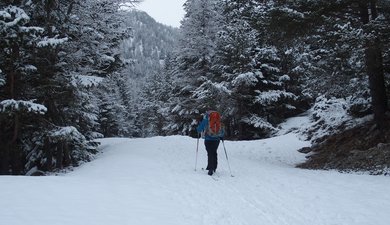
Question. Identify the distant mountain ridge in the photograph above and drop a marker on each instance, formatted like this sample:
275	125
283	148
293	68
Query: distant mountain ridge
150	43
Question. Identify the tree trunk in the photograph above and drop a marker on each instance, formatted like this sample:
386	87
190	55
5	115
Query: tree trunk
374	66
60	155
374	11
239	121
10	153
67	155
49	155
14	150
4	163
17	160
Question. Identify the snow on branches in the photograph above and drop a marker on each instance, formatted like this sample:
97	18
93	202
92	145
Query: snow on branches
87	81
2	78
258	122
209	89
247	79
69	133
272	96
11	106
52	42
331	114
12	16
12	21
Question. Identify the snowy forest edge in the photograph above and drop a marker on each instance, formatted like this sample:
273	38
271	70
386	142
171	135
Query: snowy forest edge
74	71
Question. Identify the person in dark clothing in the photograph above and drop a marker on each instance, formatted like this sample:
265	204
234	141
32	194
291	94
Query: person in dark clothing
211	142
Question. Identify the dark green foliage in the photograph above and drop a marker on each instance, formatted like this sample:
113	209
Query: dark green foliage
227	62
48	117
344	48
259	62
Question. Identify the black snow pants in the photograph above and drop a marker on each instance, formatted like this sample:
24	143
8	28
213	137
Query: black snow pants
211	148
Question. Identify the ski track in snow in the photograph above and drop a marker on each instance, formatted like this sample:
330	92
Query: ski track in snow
152	181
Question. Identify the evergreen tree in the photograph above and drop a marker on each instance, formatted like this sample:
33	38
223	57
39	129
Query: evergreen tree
251	67
343	47
143	78
18	40
41	75
193	74
155	108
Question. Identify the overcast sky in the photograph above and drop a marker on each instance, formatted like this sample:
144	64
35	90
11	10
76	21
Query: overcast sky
169	12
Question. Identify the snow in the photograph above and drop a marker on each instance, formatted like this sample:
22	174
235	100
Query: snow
292	12
248	79
284	78
87	81
2	78
31	29
328	114
29	68
4	14
322	119
17	105
258	122
297	125
267	97
107	58
66	133
270	68
18	14
152	181
52	41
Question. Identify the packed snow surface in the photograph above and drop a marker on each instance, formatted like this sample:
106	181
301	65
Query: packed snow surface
152	182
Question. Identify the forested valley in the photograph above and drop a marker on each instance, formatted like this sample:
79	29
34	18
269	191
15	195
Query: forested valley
75	71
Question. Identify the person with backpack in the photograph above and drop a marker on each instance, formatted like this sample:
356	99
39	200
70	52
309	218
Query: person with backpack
212	130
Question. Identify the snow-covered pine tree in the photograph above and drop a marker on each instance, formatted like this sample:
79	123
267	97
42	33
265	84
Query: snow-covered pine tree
155	96
326	49
55	87
45	38
250	66
341	45
65	99
17	104
385	36
112	112
98	27
103	30
193	72
375	25
149	44
145	53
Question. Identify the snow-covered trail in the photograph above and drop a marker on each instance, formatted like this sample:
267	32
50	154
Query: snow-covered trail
152	181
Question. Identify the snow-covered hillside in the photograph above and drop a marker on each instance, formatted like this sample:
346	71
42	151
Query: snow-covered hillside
152	182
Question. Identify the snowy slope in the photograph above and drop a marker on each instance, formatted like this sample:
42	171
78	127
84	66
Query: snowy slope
152	182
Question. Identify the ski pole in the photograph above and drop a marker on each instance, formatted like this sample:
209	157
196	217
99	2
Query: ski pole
227	159
197	147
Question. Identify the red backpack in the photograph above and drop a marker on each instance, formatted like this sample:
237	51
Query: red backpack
214	126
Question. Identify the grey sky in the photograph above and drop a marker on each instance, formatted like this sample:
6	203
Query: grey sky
169	12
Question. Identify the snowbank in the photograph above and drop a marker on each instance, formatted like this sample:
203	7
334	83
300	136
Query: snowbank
152	181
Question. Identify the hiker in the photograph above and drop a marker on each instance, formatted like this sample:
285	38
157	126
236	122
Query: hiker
212	131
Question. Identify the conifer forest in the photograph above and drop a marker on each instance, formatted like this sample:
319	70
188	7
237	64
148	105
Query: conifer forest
74	71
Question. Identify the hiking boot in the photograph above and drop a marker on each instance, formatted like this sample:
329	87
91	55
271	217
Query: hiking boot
210	172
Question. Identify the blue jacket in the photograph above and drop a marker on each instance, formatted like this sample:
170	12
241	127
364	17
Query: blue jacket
203	125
